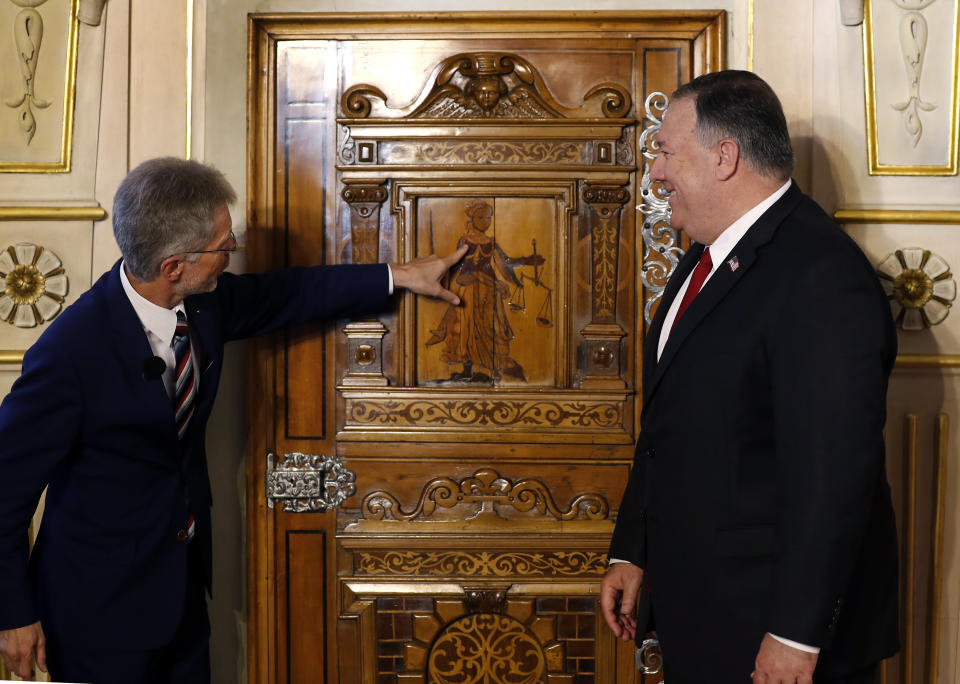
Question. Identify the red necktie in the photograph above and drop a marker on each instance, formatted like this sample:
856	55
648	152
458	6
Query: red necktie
700	273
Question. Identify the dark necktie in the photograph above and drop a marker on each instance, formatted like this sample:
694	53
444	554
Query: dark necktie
185	387
700	273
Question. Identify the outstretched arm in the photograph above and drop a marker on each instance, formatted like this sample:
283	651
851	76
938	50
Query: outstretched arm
424	275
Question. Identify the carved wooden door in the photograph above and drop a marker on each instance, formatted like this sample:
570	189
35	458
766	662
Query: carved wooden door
441	484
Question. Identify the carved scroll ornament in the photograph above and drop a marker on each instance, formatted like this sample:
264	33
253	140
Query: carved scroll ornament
661	246
486	85
487	493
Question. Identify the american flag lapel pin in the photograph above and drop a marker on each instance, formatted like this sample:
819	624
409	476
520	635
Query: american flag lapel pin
733	263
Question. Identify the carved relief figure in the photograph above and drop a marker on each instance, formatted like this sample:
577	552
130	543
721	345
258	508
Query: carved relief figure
477	334
484	93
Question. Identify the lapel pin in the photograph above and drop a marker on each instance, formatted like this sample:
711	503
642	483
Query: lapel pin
733	263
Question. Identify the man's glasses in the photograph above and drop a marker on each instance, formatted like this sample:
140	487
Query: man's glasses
231	248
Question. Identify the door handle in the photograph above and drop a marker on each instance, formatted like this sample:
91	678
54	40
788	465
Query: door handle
308	483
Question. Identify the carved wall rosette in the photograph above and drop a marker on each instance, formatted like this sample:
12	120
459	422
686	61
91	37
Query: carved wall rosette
34	285
920	287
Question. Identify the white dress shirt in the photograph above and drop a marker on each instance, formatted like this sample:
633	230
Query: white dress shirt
159	324
719	251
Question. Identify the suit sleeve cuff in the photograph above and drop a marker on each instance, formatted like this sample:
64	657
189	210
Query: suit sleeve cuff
796	644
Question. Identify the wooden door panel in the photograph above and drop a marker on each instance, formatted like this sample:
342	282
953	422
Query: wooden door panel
445	478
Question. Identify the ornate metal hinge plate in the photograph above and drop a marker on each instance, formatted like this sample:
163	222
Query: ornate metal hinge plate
308	483
649	659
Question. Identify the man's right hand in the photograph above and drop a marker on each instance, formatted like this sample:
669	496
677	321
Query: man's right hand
618	599
21	646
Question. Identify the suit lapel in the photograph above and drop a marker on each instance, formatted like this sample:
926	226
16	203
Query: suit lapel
132	347
687	264
714	290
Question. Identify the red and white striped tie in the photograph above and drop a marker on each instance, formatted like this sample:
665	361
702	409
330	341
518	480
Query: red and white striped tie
185	388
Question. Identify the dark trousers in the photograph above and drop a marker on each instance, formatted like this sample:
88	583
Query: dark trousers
185	660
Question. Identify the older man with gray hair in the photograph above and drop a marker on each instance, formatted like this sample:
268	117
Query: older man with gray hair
110	414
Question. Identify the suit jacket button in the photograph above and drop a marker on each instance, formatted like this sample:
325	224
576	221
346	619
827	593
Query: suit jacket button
182	535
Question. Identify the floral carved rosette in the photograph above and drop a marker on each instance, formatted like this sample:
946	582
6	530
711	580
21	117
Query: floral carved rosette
34	285
919	285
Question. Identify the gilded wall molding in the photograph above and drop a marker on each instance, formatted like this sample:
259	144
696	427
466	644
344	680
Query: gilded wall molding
922	554
908	216
921	361
11	357
911	30
54	156
38	213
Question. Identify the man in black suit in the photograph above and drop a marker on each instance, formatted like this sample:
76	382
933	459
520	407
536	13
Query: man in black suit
757	527
110	412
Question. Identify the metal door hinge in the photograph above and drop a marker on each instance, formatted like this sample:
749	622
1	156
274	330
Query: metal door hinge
649	659
308	483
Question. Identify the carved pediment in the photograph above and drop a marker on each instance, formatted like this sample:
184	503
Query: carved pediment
486	85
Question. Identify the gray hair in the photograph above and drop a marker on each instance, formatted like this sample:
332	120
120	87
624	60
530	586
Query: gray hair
166	206
739	105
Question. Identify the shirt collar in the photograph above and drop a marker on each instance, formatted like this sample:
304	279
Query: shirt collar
728	239
158	320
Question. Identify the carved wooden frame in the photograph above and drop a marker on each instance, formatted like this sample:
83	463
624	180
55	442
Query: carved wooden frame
469	147
353	587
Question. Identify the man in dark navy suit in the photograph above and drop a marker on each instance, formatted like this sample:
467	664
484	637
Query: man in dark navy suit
757	527
110	414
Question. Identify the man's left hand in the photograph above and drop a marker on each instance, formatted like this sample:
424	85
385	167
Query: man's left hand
778	663
423	275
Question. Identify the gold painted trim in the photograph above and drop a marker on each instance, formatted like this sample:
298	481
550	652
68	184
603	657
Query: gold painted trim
942	441
874	167
909	560
750	20
927	361
897	216
189	77
69	96
11	357
97	213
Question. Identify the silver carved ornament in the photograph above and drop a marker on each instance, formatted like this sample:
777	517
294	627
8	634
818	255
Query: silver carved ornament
661	248
649	659
308	483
